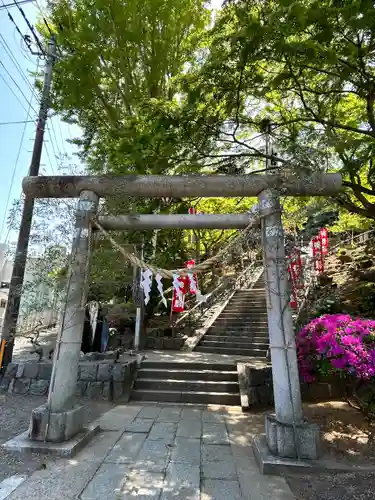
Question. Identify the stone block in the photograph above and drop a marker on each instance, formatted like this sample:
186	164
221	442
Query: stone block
11	370
22	385
265	394
158	343
94	390
31	370
88	371
20	369
106	391
104	371
168	343
45	371
150	342
4	384
39	387
55	427
258	376
252	396
81	388
289	441
118	390
118	372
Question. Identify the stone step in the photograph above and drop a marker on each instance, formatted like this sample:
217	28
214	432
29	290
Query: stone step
241	351
210	375
241	336
238	340
253	297
238	330
189	365
247	314
245	308
187	385
233	344
261	320
234	324
220	398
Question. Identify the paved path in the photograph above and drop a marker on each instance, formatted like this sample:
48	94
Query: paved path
161	453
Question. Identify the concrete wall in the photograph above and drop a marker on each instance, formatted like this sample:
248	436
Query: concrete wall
96	380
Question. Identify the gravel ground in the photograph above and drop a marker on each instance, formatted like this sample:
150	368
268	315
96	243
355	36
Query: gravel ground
15	411
343	486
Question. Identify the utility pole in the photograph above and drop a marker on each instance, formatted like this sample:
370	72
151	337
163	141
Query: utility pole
16	282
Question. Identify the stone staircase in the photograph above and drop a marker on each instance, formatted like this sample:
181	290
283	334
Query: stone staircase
187	382
242	327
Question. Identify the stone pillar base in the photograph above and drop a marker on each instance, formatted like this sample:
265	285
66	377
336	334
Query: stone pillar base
55	427
287	441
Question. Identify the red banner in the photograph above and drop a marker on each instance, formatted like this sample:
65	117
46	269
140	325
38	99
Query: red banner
318	256
323	236
178	302
189	265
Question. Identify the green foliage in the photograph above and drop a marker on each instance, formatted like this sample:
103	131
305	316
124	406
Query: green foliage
307	68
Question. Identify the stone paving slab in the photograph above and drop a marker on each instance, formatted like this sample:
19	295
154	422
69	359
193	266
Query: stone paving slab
186	451
105	482
142	425
126	449
161	453
163	430
150	412
8	485
218	489
215	433
189	429
118	417
143	485
169	414
98	449
63	479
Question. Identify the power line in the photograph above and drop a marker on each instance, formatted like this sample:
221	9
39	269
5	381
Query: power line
17	65
15	95
31	28
16	84
10	5
16	123
15	166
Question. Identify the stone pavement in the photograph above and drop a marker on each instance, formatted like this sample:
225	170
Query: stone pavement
160	453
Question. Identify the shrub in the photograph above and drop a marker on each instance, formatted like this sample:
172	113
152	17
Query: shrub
337	344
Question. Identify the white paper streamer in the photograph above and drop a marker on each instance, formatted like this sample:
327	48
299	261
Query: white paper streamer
178	285
158	279
194	288
146	284
201	297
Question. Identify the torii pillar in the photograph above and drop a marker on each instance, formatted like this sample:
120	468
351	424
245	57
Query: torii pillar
288	435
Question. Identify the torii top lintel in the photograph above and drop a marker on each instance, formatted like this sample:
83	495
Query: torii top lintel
180	186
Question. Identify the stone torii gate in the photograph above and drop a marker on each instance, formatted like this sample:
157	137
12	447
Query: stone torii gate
287	434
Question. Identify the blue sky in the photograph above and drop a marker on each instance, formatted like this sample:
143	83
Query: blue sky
15	108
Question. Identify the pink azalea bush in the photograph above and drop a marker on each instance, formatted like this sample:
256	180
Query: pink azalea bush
337	344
